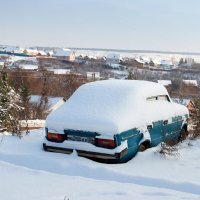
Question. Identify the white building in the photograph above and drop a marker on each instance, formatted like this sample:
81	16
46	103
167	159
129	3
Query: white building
166	64
61	71
190	61
165	82
31	52
113	58
175	60
92	76
28	67
65	54
191	82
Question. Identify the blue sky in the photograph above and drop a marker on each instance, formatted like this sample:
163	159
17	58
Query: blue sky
171	25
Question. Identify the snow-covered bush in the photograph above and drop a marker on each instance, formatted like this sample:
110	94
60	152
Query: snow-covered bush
9	106
194	133
171	149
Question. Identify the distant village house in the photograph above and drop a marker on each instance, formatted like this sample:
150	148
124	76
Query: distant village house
65	54
61	71
165	82
112	58
191	82
92	76
34	52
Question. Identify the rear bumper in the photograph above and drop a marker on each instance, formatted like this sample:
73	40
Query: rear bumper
88	154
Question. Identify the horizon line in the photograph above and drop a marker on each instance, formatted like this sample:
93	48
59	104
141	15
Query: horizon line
137	51
117	50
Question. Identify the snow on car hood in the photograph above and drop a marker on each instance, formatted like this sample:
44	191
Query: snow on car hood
113	106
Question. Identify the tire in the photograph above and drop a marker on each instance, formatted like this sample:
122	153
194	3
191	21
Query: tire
44	147
183	135
143	146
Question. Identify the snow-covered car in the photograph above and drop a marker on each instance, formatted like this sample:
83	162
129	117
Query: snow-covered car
111	120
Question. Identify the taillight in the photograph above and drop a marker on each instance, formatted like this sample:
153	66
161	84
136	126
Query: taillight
55	137
106	143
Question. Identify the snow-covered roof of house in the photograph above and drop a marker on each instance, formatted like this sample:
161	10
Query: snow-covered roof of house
32	51
165	82
156	61
139	60
191	82
61	71
113	106
113	56
145	59
62	52
28	67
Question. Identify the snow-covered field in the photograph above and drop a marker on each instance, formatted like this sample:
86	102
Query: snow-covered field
29	173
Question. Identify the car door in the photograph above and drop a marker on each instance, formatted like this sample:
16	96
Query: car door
169	126
156	132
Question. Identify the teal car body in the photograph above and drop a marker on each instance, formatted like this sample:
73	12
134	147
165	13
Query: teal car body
157	120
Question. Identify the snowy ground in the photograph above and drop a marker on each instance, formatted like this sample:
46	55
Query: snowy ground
29	173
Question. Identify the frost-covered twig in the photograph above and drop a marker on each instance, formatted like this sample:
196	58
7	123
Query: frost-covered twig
168	150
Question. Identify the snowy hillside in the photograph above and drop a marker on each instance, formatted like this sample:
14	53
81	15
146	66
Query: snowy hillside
29	173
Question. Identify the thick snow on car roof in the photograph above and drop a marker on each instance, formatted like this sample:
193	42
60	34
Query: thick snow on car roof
111	107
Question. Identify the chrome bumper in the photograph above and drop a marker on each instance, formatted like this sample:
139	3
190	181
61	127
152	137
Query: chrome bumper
116	156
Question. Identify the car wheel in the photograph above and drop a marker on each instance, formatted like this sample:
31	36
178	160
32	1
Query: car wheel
183	135
44	147
143	146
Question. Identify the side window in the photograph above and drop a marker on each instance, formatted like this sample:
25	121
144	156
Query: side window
163	97
159	97
151	98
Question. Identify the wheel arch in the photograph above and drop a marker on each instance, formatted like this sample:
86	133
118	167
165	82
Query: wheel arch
146	145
